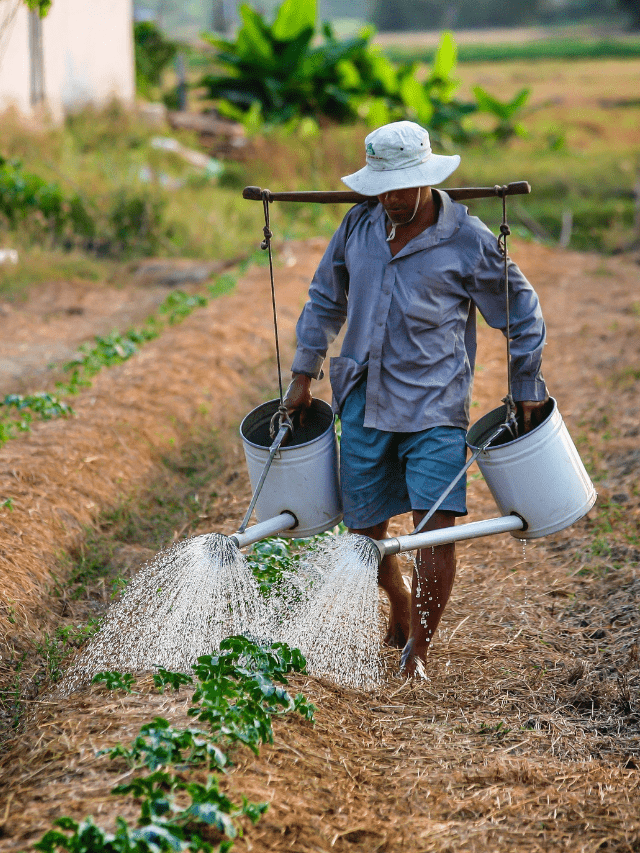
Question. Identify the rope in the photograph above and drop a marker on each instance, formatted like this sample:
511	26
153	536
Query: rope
505	231
510	423
281	417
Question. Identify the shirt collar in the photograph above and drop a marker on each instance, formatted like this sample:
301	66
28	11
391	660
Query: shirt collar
446	225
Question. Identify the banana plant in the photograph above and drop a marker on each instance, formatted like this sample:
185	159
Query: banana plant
277	67
278	72
504	111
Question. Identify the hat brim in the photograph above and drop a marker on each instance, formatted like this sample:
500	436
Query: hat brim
368	181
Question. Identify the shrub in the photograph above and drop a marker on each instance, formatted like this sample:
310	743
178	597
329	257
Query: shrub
285	71
131	223
152	55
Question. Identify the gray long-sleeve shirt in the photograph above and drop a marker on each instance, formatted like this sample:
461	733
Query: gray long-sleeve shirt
411	320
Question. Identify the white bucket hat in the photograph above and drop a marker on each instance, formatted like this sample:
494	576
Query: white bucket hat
399	156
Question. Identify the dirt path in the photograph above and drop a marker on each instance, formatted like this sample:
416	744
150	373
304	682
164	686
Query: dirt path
55	319
526	736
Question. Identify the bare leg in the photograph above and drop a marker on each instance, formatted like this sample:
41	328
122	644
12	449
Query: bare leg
431	587
392	582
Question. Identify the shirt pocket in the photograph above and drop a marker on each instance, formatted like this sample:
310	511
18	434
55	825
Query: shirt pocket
421	313
345	374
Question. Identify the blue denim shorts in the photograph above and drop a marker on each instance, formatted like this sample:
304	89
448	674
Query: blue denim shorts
384	474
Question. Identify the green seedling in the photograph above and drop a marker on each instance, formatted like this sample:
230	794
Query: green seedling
115	680
176	680
237	692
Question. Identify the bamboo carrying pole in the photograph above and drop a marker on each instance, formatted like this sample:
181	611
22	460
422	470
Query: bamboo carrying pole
340	197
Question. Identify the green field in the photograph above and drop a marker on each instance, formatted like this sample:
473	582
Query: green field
525	51
580	152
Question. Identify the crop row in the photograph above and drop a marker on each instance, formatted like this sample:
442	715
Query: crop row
237	694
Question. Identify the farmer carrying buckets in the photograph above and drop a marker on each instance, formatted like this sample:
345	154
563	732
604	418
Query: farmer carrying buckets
406	271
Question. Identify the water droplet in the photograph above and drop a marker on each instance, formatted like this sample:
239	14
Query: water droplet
196	593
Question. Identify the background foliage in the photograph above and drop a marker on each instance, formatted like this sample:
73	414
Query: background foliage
280	72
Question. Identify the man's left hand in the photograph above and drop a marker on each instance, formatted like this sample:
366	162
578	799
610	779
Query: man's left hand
531	413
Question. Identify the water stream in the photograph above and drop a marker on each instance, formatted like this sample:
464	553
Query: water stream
192	595
179	606
337	629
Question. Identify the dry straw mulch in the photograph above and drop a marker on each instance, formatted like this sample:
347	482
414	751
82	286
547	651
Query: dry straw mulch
526	734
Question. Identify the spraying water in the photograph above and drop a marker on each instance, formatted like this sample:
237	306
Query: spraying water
337	627
178	607
192	595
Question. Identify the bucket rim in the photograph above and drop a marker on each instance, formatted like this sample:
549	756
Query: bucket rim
321	404
503	409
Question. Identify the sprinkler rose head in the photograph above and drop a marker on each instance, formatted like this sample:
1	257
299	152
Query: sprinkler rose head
369	548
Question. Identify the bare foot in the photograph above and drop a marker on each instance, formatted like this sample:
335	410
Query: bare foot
412	663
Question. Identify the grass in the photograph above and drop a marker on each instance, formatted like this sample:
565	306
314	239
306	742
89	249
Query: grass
580	154
562	49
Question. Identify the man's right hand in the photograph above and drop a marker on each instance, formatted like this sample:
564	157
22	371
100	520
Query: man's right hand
298	397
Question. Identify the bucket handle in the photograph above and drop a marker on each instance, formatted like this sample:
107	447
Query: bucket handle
284	429
502	428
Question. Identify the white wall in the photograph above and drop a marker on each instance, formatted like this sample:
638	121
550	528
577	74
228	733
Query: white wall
15	79
88	55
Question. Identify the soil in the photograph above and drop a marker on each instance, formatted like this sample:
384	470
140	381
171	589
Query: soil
58	317
526	733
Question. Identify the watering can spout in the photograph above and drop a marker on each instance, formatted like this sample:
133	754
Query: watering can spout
446	535
270	527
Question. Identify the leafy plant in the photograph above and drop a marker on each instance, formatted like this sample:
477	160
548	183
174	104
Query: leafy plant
135	224
267	561
159	744
236	695
504	111
45	405
285	71
25	195
115	680
164	677
277	72
153	52
179	305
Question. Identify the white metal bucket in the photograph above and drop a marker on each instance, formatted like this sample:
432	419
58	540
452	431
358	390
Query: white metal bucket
303	478
538	476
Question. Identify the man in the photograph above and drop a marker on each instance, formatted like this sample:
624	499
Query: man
407	270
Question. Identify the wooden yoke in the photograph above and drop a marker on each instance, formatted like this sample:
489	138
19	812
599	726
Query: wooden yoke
340	197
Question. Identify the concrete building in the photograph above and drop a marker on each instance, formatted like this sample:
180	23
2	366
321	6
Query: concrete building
81	53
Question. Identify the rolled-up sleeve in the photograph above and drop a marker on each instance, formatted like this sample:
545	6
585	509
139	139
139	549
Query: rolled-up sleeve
527	328
326	311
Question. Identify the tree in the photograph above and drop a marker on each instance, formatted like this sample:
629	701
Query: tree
39	6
